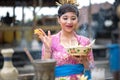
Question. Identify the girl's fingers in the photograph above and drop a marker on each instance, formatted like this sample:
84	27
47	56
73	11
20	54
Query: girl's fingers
44	34
41	37
49	33
46	39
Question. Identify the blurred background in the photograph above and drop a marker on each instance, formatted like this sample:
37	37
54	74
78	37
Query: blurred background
99	19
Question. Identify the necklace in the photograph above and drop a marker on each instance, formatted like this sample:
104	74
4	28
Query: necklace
69	42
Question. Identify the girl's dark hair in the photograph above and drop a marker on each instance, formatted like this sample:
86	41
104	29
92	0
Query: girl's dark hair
68	8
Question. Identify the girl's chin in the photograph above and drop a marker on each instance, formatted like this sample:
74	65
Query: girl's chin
69	31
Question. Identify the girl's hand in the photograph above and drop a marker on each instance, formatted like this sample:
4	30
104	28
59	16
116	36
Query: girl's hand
46	39
83	60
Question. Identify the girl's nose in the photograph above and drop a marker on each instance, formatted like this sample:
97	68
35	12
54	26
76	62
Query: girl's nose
69	21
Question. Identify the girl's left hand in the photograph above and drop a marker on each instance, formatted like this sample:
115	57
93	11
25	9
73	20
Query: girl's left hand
83	60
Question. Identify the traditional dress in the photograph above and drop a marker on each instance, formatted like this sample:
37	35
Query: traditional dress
67	67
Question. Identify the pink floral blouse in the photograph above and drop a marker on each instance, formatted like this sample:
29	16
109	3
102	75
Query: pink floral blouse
60	54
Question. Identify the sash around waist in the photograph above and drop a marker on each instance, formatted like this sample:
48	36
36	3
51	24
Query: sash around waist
68	69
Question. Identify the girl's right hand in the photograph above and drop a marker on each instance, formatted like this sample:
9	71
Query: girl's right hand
46	39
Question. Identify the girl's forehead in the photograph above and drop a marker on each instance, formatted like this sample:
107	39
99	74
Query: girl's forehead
69	14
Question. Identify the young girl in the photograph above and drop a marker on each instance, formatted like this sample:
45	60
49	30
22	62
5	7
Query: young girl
54	46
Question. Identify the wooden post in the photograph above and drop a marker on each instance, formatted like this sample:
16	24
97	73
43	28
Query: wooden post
23	15
89	20
34	14
14	17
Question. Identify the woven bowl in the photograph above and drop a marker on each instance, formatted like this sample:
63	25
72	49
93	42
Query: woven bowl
78	51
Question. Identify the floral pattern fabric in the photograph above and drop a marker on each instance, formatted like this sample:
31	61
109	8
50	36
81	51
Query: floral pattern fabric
60	54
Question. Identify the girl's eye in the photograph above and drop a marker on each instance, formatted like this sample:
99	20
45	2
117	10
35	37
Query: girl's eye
65	18
73	18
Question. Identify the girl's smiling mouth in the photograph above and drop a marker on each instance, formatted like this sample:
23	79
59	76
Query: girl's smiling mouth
69	26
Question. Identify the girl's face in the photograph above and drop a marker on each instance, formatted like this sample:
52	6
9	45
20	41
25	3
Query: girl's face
68	21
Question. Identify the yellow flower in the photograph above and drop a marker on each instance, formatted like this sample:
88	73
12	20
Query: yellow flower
83	77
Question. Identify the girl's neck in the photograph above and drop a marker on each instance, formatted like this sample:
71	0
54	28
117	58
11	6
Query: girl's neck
67	35
68	39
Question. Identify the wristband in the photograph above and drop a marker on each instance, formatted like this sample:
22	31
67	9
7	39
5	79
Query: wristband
86	70
87	73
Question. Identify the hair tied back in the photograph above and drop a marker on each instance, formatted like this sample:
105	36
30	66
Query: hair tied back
62	2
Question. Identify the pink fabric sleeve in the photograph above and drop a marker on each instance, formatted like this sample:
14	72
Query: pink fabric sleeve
42	54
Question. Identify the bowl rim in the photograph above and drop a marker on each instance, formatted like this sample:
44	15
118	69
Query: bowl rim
79	54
